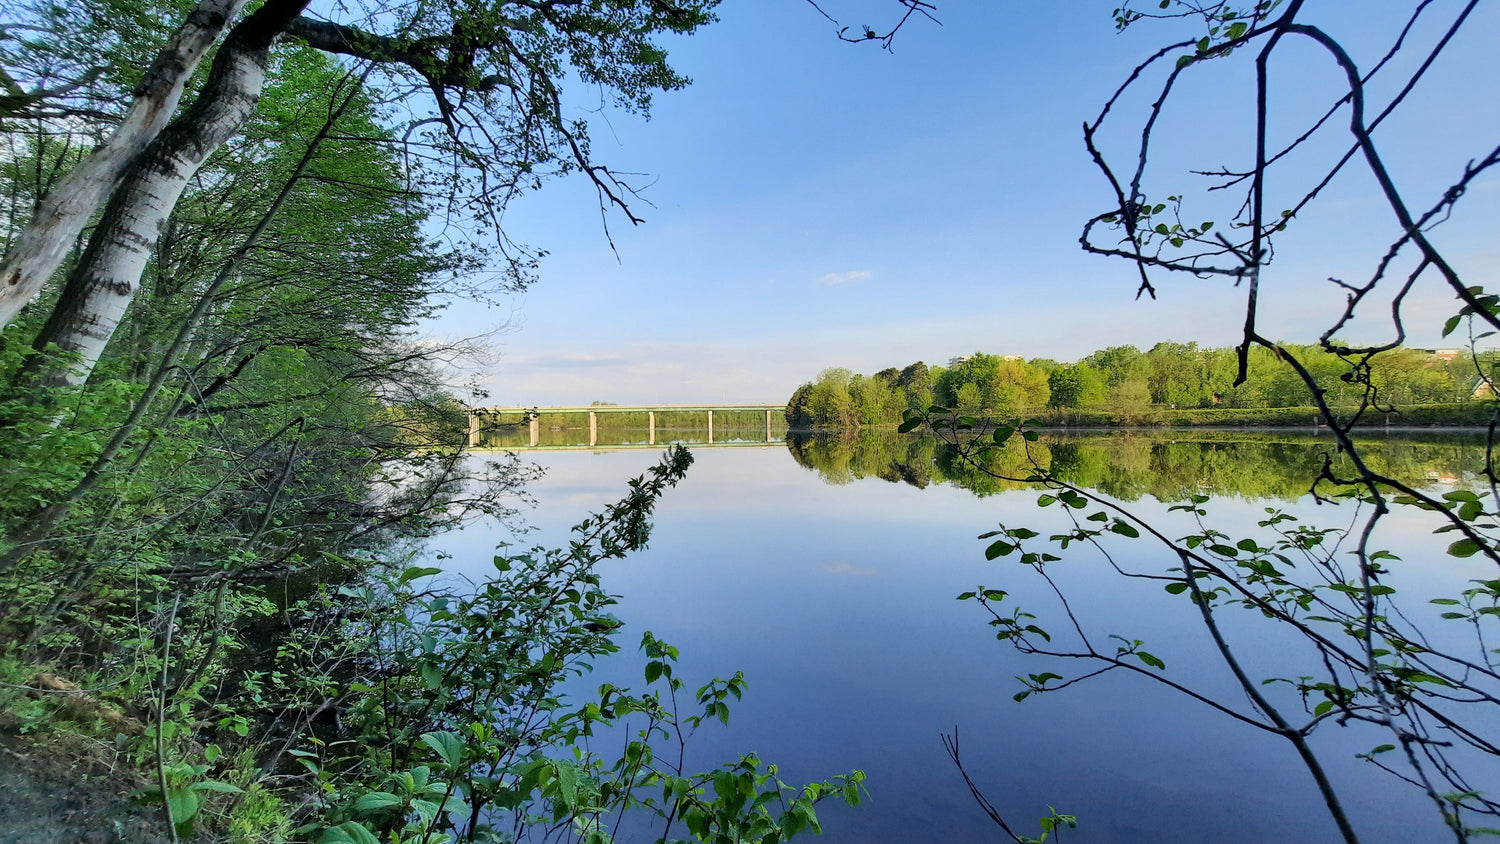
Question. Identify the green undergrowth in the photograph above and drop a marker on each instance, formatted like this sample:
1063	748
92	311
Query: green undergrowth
403	706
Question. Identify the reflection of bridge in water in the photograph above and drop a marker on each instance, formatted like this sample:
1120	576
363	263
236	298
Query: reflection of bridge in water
533	416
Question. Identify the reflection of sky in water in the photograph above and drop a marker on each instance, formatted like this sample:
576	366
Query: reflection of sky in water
838	604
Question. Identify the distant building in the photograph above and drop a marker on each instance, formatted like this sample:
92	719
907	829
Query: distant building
1444	354
955	361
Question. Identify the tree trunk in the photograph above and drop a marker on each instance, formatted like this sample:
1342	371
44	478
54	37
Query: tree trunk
39	249
100	288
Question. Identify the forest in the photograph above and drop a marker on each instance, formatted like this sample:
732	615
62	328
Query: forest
224	441
1123	385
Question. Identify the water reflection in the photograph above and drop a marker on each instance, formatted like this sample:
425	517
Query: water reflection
1170	466
837	601
628	430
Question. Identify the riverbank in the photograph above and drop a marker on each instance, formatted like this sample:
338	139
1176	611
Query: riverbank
62	789
1455	415
1459	415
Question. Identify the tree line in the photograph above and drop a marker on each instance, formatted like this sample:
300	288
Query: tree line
1130	382
220	223
1251	464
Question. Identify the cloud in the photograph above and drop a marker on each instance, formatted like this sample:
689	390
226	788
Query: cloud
846	568
833	279
569	361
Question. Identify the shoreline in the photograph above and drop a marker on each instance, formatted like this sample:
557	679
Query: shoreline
1432	428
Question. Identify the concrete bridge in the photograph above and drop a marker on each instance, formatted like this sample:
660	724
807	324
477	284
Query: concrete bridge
534	414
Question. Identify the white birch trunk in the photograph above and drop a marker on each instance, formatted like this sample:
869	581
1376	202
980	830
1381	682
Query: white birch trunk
100	288
40	248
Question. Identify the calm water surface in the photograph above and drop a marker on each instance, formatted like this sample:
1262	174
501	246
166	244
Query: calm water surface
833	590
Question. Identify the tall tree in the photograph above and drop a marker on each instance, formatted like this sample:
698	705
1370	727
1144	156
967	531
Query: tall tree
1076	386
39	248
489	123
1015	387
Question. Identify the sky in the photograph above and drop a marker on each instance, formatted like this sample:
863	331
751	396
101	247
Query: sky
818	204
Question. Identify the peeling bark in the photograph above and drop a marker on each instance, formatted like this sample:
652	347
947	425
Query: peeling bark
40	248
100	288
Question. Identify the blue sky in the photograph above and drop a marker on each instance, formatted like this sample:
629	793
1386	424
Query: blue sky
824	204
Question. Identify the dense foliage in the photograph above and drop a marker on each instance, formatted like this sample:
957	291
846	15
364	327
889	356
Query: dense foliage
1129	384
210	509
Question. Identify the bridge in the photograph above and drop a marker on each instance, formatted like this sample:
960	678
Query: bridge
534	414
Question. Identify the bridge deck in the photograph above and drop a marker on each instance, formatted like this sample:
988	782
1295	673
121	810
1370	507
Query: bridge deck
642	408
533	414
634	446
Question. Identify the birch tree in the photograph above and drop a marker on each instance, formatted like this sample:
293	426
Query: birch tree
60	217
483	106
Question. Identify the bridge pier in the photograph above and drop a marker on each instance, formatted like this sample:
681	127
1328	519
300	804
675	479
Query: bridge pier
477	426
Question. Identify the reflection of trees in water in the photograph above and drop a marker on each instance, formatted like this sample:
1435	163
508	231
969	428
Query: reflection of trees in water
842	457
1168	466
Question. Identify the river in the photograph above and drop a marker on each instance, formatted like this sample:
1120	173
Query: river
828	572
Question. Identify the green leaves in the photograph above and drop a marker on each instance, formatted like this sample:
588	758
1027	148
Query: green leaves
1066	496
654	670
348	832
184	803
448	746
1035	683
1150	660
376	801
1464	548
999	548
415	572
1484	303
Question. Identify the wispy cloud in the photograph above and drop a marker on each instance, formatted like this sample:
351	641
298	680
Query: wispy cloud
833	279
577	360
847	568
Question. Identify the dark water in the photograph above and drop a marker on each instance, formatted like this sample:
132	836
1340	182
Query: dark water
827	572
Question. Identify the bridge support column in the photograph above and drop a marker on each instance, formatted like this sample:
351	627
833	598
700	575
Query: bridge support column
473	429
593	428
768	426
536	430
710	427
651	423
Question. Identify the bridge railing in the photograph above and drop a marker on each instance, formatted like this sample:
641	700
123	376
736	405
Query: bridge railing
533	416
